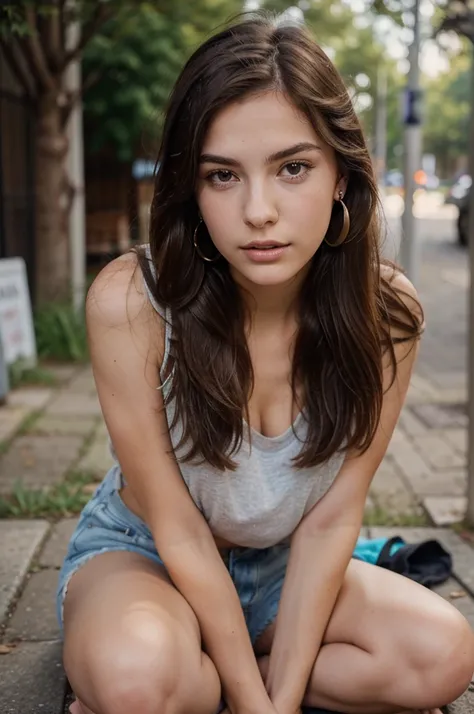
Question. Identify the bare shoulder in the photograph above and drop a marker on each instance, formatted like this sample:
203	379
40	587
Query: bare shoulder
117	294
404	290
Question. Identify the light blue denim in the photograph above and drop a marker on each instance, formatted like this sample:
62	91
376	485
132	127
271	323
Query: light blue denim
106	524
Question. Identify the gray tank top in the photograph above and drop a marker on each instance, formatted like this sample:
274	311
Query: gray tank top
264	499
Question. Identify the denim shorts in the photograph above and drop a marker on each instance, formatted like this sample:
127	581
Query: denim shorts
106	524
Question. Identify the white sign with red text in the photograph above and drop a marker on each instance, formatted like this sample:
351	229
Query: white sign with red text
16	319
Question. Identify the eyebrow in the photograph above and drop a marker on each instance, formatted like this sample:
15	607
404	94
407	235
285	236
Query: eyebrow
278	156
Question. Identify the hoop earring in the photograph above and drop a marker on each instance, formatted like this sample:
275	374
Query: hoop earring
198	251
346	224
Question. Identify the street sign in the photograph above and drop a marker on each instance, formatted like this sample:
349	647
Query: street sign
16	320
412	101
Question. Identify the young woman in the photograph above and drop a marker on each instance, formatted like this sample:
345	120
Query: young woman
251	365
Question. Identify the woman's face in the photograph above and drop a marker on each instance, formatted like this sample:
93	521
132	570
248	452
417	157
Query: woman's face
266	188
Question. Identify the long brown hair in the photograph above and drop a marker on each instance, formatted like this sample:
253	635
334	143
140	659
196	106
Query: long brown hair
346	306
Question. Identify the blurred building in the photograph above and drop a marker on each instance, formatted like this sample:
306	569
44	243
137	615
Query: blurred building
17	194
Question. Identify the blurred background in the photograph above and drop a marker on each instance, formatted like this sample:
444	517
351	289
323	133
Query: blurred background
83	85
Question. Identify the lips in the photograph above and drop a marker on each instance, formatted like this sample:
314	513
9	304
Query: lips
265	245
265	251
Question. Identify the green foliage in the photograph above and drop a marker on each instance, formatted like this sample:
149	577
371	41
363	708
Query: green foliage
61	333
447	111
21	374
137	59
137	74
378	516
60	501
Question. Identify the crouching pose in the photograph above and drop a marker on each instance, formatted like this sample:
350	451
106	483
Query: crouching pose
251	364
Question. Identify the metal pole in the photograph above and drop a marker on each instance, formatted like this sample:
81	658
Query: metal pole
409	249
470	480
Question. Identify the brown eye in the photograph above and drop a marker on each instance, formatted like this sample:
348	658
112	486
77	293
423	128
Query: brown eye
294	168
221	175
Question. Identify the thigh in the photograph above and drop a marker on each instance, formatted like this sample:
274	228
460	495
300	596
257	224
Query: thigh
129	637
378	610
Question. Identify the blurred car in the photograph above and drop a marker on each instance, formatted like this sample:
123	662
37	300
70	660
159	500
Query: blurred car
394	178
459	195
422	179
463	219
459	190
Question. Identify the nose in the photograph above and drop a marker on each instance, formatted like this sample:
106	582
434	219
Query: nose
260	207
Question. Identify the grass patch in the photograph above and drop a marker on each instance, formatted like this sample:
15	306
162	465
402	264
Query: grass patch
22	375
378	516
24	428
59	501
28	423
61	333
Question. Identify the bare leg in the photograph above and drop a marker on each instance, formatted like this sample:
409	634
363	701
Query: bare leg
390	646
132	643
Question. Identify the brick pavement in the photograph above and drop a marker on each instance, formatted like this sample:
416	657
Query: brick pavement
421	482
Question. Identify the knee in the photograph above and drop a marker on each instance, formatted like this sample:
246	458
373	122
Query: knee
151	670
446	665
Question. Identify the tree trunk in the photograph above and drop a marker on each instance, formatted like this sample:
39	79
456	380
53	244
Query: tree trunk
52	204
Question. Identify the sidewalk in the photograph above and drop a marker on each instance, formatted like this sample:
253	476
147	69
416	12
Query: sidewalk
49	438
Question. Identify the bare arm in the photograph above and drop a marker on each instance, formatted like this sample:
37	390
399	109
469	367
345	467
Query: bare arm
323	545
126	339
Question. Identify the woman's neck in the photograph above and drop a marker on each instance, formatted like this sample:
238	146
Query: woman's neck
270	304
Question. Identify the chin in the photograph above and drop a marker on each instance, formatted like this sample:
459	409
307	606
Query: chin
270	276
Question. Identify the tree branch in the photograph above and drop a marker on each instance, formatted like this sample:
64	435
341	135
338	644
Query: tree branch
35	54
101	15
18	69
52	34
73	97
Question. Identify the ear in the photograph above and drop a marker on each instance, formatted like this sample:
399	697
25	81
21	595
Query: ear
341	186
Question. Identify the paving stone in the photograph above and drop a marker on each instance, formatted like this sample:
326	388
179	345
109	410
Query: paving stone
452	592
75	405
439	483
53	424
465	704
389	490
444	510
97	460
455	395
457	438
38	461
63	372
83	382
449	380
31	397
410	424
20	542
422	388
10	420
369	503
33	679
55	549
442	416
437	452
35	614
408	460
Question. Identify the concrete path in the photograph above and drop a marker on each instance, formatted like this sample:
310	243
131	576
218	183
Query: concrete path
31	673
